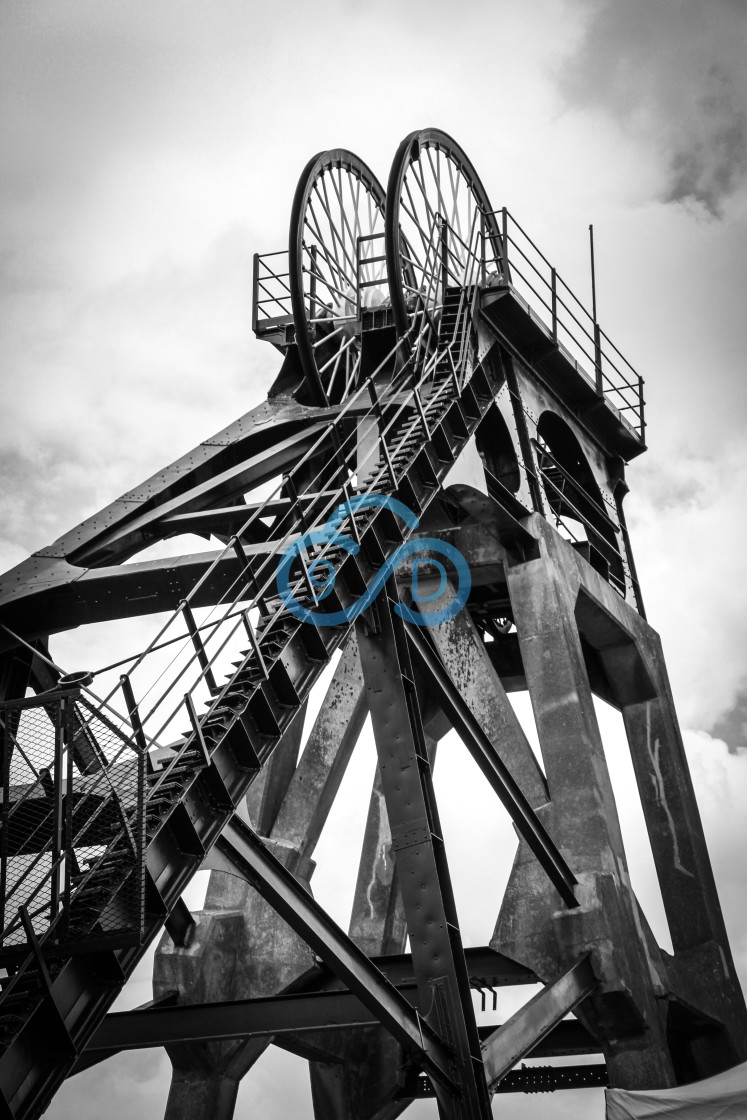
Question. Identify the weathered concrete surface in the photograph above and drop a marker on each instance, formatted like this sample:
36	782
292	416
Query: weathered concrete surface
468	662
364	1081
322	765
241	947
270	788
584	823
363	1085
432	922
702	972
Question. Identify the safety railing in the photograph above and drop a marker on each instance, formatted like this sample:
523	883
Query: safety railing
591	524
171	688
570	324
271	294
72	824
372	286
452	270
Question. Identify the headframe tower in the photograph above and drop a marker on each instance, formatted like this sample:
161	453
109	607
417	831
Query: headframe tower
442	394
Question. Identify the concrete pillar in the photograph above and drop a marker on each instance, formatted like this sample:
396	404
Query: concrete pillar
364	1083
584	824
241	947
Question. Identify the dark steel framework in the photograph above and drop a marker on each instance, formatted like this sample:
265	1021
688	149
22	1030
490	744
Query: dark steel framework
432	354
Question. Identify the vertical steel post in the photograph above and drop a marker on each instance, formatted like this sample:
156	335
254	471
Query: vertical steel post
202	657
141	838
312	283
358	279
554	302
504	238
420	856
139	824
380	414
4	854
57	838
69	728
133	714
443	251
597	337
484	251
255	291
598	361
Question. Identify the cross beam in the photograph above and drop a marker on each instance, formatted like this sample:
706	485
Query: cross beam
307	918
531	1023
486	756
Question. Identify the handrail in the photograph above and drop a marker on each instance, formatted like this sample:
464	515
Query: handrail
379	411
569	317
290	524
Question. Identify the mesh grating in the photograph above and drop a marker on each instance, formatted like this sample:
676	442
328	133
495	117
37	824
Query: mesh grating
72	837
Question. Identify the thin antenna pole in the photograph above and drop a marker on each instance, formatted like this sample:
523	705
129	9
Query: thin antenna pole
597	337
593	276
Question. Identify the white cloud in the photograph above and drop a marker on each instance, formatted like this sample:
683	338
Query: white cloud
673	73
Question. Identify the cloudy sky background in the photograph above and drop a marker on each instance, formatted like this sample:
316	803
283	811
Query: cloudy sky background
148	150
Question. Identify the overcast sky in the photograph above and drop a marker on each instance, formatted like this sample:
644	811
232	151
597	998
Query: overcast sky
149	149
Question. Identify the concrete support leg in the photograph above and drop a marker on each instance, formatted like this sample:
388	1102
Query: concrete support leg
584	823
363	1086
197	1093
240	947
432	923
702	971
701	975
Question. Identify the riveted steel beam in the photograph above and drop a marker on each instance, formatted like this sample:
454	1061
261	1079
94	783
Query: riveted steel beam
407	784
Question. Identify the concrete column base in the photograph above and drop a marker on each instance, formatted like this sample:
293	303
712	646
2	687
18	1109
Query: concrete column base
201	1095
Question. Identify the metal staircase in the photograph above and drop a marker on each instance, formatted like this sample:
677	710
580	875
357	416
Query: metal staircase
149	825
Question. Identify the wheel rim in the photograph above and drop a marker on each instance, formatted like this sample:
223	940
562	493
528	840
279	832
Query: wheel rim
337	226
438	218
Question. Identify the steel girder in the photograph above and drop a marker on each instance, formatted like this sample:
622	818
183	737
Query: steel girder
417	841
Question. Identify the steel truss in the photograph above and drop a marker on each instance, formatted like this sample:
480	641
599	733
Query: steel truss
441	388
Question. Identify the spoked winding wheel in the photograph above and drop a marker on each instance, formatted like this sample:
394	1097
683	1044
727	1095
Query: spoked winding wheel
336	266
442	235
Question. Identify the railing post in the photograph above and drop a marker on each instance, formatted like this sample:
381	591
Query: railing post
7	752
202	657
443	247
380	414
196	727
133	714
255	291
243	560
641	407
554	302
57	838
484	252
504	239
255	644
312	282
69	805
421	413
358	280
598	360
356	530
139	828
